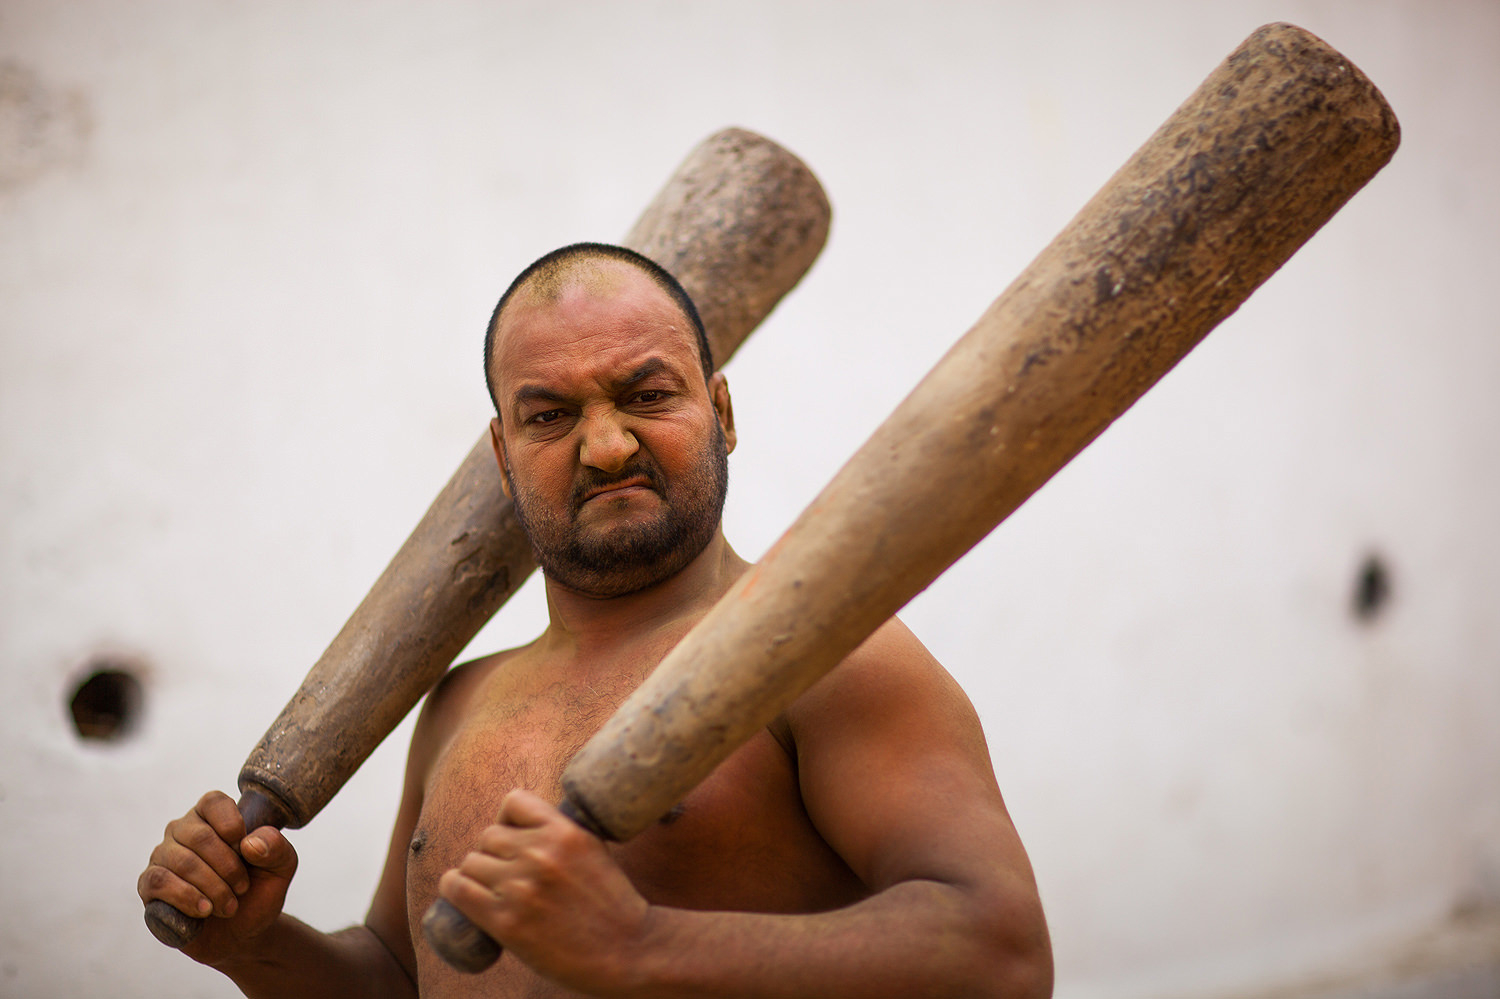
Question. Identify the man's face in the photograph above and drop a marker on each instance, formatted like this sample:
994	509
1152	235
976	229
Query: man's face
614	450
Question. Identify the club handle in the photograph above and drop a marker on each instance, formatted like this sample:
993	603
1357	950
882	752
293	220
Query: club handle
175	928
171	926
457	940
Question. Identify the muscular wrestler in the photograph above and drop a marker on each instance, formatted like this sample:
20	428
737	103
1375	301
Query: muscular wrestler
858	846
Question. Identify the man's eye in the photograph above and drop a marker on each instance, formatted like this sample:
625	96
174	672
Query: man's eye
549	416
650	395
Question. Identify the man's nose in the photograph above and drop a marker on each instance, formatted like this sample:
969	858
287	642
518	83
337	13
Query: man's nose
607	443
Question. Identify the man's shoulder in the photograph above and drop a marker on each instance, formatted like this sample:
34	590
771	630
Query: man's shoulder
891	671
451	697
461	680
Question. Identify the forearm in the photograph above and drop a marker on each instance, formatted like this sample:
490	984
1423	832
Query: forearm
918	938
295	960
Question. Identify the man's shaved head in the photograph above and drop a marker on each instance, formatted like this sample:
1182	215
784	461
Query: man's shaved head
587	264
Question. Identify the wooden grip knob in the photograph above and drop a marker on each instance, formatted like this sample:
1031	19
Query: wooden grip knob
458	941
170	926
175	928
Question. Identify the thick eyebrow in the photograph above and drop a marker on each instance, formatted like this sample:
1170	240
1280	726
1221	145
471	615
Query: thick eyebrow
652	366
536	393
540	393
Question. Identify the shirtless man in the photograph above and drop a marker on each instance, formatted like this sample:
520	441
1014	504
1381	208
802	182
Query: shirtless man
858	846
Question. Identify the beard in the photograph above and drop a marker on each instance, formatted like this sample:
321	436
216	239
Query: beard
625	558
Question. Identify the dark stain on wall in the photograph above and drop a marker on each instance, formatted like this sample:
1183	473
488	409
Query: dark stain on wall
106	705
1372	588
42	128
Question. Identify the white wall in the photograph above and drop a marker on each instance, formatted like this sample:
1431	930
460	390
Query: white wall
246	255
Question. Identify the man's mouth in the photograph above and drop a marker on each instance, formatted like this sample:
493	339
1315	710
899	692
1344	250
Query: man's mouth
608	488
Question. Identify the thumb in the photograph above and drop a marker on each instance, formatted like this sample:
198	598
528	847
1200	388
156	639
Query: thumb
269	851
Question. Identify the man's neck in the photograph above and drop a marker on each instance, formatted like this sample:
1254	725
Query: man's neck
584	623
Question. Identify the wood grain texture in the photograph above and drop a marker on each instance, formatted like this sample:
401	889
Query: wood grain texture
1275	140
739	223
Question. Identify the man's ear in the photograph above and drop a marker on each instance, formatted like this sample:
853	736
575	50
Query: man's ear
718	392
499	447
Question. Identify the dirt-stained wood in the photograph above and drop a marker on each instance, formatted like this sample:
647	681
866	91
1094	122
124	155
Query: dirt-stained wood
739	224
1275	140
1258	158
1263	153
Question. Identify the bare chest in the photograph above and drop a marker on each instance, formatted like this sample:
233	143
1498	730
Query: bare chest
517	739
741	840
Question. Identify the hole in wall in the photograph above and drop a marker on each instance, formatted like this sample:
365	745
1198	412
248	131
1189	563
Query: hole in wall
1372	588
106	704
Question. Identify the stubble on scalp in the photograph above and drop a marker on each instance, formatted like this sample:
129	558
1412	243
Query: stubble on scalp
598	275
597	267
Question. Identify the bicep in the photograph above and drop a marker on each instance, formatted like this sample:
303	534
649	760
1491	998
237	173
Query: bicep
387	917
896	774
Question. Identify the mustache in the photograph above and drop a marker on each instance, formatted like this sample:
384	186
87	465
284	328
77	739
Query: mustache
592	480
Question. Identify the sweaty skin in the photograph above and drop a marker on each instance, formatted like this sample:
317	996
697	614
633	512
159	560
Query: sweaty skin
858	846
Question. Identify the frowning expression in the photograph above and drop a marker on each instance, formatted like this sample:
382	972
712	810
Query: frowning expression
612	445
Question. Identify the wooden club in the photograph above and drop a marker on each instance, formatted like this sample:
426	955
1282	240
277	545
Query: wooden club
739	224
1264	152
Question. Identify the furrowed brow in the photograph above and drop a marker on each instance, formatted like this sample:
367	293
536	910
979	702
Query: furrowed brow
536	393
653	366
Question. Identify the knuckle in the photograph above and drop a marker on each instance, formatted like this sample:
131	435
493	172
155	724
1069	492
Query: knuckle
155	879
198	837
542	860
211	801
161	883
459	888
224	816
508	805
521	893
233	872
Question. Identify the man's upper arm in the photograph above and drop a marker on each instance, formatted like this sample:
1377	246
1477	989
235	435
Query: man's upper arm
387	917
896	775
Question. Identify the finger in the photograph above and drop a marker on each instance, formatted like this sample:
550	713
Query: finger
181	877
484	906
268	850
490	871
504	842
223	815
509	856
524	810
195	837
156	882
